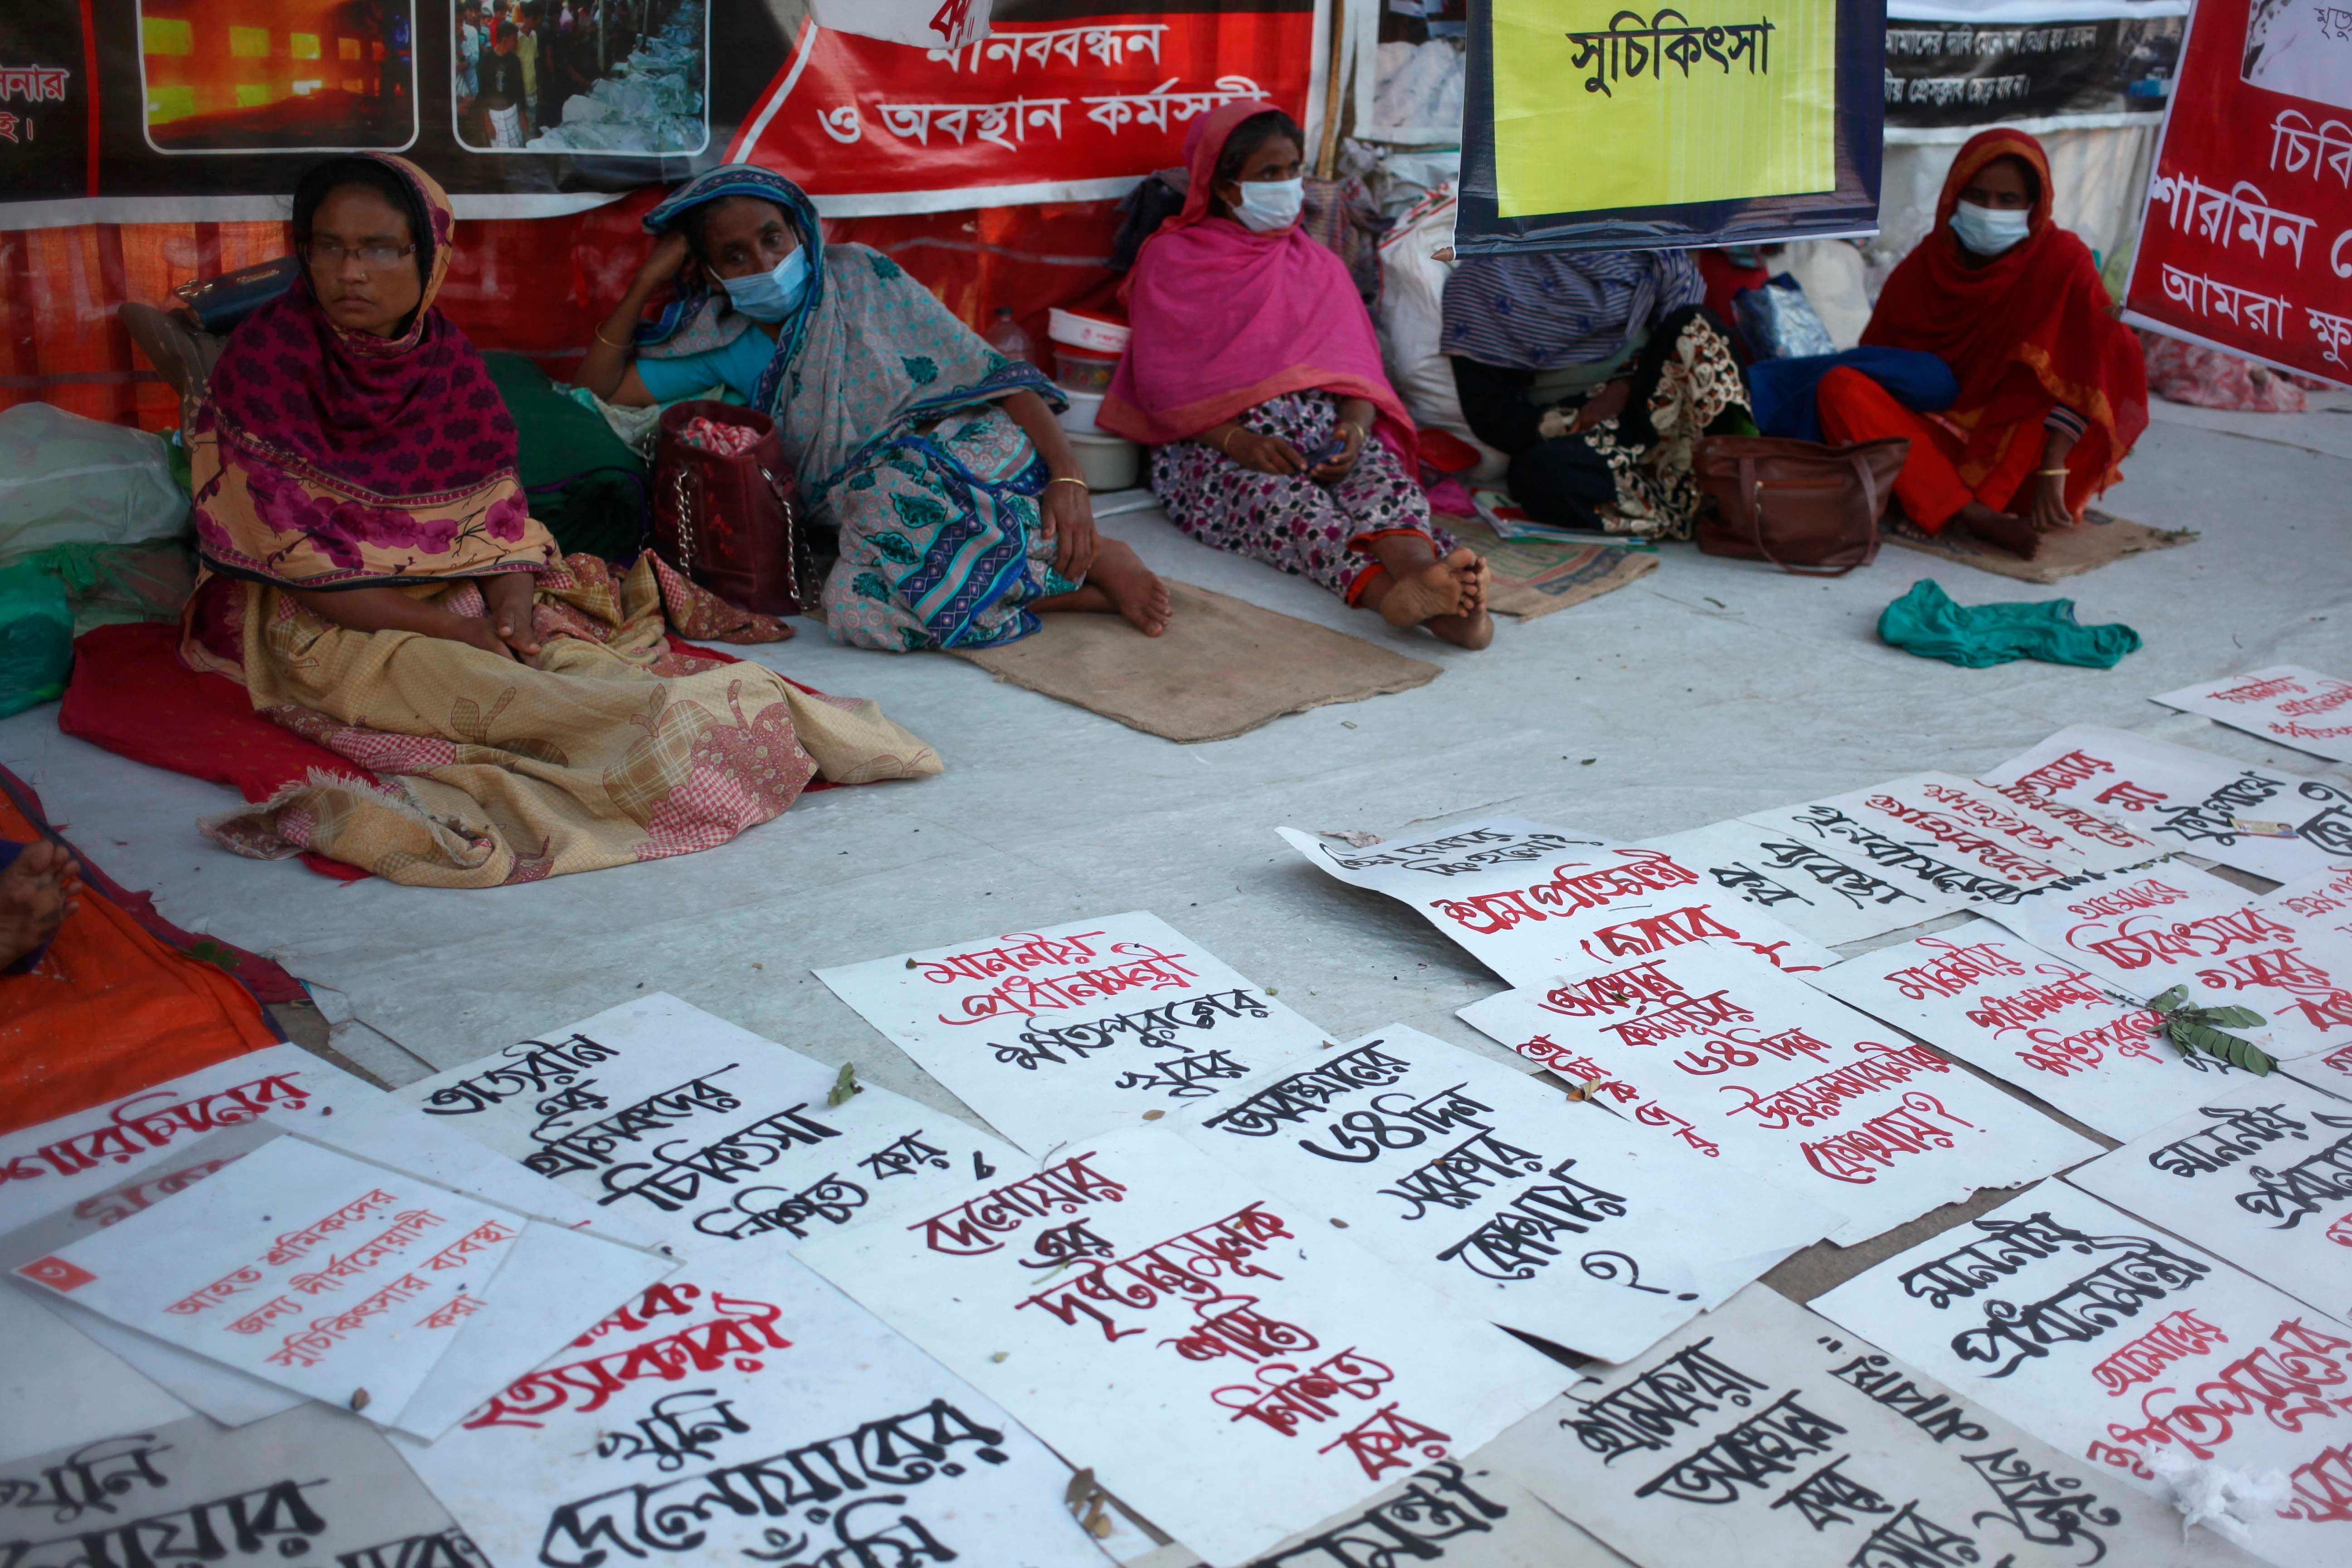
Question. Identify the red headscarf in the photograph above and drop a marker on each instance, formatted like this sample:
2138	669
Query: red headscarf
1225	317
2024	333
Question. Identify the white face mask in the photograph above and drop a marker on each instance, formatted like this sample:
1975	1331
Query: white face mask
1988	231
771	296
1270	204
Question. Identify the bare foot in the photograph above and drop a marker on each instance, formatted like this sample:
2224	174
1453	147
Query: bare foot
1438	589
1119	585
2015	534
37	891
1473	631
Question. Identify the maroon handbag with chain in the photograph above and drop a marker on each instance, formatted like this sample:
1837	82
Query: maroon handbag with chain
723	511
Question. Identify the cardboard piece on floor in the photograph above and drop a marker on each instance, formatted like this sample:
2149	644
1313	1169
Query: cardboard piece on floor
314	1488
2261	1174
1075	1029
1228	1363
746	1410
2284	704
2192	800
1463	1514
2045	1024
2145	932
60	1389
1762	1436
1709	1046
1831	898
2108	1339
1521	1208
1532	902
705	1133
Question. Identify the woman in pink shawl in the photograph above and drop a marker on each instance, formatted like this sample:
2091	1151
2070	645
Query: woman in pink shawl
1255	374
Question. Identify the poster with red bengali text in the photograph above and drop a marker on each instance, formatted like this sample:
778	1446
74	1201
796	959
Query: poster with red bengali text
2246	237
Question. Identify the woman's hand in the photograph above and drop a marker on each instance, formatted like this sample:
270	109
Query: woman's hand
669	260
1336	469
1065	515
2046	511
511	599
1605	404
476	631
1261	453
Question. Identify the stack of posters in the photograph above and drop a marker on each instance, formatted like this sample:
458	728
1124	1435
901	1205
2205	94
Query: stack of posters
2285	703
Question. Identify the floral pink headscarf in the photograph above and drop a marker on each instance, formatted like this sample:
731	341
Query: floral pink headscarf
323	457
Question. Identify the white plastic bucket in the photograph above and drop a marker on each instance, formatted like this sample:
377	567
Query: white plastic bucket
1079	417
1107	462
1085	330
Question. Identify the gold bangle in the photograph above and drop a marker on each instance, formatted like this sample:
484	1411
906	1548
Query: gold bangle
2049	473
1226	442
605	340
1069	480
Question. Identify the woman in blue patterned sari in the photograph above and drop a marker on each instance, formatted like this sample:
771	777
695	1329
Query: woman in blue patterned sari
958	500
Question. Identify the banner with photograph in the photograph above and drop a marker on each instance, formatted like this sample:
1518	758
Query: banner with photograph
2085	70
2246	239
153	110
1588	126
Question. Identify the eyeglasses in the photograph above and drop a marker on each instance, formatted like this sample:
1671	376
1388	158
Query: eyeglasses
374	257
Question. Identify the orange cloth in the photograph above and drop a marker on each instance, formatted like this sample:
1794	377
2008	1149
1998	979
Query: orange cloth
1856	408
109	1011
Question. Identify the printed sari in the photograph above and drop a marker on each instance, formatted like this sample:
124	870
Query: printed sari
890	410
325	460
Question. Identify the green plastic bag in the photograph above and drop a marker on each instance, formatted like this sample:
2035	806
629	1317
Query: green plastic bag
36	639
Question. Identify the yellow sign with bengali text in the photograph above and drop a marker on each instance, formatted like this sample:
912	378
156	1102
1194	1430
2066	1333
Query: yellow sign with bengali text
1598	106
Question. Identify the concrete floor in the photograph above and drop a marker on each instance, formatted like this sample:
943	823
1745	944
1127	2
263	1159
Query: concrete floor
1709	689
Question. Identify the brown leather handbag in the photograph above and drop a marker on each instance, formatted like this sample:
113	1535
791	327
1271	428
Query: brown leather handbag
727	518
1805	508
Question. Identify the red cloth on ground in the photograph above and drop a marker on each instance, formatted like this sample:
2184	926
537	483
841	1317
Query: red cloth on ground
1223	318
1854	407
110	1009
2024	333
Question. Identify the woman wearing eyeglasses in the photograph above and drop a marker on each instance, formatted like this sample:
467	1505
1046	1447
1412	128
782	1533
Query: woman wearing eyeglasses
374	577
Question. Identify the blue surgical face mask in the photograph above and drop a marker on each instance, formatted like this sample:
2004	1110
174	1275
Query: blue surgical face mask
1270	204
772	296
1990	231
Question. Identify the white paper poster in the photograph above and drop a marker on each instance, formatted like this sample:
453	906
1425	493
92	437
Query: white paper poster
1546	1217
707	1133
1709	1046
2191	800
2261	1175
2111	1340
744	1411
1532	902
311	1489
2144	932
1077	1030
2285	703
2042	1023
1463	1515
1227	1363
1762	1436
59	1389
1791	876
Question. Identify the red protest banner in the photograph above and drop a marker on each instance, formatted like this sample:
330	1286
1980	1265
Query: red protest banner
2246	239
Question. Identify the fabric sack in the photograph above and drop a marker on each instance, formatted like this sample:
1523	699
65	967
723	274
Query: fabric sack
728	519
1806	508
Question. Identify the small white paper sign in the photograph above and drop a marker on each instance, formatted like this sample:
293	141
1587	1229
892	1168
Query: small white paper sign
1531	903
1762	1436
1553	1218
2286	702
1075	1029
1832	900
2192	800
708	1134
2144	932
746	1411
301	1266
2042	1023
1226	1362
310	1489
2111	1340
60	1389
1781	1082
2260	1174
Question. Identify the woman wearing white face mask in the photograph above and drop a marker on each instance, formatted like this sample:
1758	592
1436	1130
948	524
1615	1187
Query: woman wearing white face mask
958	499
1255	371
2053	389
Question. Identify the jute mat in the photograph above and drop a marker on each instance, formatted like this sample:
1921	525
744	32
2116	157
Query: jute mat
2103	537
1535	576
1222	669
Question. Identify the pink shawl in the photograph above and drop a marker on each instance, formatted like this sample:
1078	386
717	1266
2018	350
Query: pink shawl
1224	319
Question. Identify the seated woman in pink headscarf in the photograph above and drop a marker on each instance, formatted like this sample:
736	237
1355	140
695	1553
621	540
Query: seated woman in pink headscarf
1254	371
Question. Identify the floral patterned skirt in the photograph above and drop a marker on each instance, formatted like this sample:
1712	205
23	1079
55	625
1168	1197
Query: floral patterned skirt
1309	530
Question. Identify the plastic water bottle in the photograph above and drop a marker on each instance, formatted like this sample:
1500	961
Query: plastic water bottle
1005	336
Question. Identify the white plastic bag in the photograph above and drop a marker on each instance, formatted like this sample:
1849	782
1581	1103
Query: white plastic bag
1412	321
67	479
